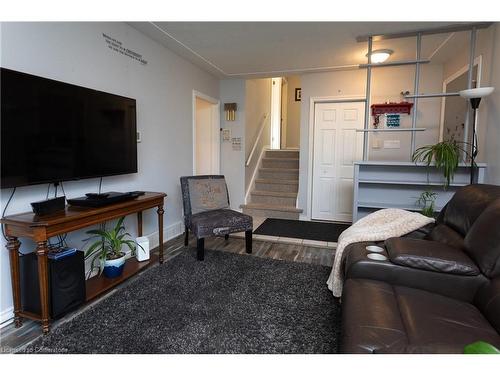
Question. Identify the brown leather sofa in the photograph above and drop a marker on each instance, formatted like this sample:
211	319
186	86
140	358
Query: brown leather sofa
437	291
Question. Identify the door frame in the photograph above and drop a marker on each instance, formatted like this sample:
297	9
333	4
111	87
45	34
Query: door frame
215	125
478	61
312	102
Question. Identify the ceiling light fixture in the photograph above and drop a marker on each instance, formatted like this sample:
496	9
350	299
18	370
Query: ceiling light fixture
380	55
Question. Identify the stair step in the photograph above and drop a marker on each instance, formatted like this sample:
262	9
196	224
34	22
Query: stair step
274	193
277	182
288	199
289	163
279	173
273	185
282	154
272	211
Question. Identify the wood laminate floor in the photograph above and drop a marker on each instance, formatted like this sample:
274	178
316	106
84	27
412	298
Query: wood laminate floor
14	339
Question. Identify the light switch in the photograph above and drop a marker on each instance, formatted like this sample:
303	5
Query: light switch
138	137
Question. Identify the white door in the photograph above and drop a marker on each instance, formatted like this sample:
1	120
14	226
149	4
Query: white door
337	146
206	138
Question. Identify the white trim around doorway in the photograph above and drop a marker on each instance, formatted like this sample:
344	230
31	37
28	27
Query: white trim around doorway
312	101
215	124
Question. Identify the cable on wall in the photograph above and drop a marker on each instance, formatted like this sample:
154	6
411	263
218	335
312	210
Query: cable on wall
5	210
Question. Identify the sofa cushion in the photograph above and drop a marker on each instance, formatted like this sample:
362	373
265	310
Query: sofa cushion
429	255
207	194
434	319
482	242
380	317
444	234
466	206
370	317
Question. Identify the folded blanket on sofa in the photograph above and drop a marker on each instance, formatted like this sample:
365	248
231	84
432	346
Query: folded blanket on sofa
378	226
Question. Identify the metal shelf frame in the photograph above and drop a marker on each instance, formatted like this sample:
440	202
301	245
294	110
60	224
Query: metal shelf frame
417	62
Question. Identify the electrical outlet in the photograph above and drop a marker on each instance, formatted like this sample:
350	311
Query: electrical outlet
138	137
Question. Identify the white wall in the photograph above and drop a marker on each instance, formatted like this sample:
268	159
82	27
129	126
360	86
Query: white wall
293	113
492	149
258	105
233	161
76	53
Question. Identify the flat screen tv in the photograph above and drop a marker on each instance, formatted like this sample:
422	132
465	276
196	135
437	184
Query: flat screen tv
53	131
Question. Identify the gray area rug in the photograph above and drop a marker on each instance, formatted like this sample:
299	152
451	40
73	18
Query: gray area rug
227	304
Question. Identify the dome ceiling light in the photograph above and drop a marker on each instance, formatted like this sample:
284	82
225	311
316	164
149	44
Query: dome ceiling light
380	55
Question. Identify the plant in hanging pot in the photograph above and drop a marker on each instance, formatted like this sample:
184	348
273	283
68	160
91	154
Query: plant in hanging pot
106	252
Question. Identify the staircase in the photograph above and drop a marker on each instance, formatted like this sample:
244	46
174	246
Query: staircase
276	186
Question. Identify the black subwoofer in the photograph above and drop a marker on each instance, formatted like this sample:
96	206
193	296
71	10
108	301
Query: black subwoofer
66	283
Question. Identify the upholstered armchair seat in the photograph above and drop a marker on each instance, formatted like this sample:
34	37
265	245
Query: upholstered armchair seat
207	213
219	222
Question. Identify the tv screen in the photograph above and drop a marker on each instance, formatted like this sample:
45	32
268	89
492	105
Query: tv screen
53	131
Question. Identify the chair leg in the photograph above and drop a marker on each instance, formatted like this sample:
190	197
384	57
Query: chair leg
186	236
226	237
200	249
248	240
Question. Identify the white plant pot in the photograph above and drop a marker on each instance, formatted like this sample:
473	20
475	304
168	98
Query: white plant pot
114	267
142	254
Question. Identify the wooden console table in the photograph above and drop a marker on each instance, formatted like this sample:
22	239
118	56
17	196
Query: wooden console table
41	228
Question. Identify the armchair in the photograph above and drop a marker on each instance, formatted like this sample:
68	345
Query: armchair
207	213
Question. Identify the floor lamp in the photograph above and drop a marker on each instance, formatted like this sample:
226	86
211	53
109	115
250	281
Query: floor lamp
474	96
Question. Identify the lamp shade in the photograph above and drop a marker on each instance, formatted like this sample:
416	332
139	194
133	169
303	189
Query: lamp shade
479	92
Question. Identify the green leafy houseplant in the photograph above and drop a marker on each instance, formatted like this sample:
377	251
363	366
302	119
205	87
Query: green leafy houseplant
427	200
108	245
445	155
480	347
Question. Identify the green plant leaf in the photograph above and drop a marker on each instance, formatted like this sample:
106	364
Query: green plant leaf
480	347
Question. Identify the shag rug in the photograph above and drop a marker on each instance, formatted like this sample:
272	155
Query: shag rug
228	303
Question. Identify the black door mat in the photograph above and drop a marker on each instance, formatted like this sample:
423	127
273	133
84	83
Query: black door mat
308	230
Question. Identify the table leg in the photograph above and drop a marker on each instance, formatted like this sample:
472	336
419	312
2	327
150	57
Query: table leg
43	279
160	212
13	245
139	224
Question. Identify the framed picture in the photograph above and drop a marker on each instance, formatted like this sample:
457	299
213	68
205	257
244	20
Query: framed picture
298	94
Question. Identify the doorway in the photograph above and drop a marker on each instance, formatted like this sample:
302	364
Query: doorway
206	137
455	111
336	146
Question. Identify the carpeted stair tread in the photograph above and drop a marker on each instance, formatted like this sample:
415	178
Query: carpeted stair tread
271	207
274	193
274	181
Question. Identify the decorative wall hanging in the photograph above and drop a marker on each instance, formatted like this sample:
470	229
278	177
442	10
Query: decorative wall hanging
298	94
230	110
389	108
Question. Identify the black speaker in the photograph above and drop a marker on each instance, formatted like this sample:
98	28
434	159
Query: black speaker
66	283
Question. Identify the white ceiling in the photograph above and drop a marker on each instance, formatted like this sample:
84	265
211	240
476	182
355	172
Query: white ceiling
259	49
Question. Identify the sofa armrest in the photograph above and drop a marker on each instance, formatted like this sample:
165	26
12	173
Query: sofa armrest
430	256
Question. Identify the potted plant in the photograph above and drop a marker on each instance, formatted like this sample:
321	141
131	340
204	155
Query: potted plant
107	250
427	200
446	155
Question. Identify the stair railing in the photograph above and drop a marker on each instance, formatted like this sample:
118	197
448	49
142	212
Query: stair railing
256	142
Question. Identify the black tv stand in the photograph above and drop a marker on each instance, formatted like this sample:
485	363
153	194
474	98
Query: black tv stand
100	200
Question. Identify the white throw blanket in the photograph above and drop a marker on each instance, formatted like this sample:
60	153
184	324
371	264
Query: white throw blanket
378	226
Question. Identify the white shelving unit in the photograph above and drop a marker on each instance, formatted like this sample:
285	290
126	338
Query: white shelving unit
380	185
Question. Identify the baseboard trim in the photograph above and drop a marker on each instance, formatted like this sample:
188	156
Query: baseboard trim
6	316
